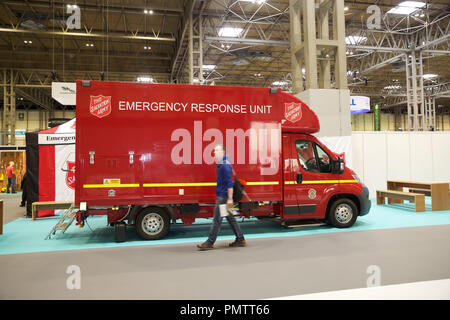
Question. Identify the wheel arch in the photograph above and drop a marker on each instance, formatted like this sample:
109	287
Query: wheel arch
341	196
138	208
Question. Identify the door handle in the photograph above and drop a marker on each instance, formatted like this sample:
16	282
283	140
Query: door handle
131	156
299	178
91	157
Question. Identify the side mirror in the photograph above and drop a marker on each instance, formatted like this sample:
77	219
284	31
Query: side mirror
338	166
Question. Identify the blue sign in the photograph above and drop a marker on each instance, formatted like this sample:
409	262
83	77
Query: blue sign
359	104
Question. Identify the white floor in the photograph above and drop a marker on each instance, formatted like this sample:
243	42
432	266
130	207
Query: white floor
424	290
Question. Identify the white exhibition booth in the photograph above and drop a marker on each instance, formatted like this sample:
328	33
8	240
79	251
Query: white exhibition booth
382	155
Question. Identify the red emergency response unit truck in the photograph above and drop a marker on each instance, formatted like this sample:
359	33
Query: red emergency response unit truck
144	156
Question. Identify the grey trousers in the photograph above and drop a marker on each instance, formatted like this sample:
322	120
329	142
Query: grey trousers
217	222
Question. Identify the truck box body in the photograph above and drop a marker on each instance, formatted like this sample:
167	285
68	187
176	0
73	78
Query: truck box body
152	144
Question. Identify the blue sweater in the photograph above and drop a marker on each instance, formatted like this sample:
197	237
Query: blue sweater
224	177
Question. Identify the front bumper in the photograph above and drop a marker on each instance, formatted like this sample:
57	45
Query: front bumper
364	201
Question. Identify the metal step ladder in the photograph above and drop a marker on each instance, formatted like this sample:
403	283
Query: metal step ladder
63	223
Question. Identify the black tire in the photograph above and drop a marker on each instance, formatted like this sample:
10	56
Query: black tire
152	223
342	213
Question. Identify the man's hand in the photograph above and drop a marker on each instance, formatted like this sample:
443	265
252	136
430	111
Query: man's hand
230	203
230	198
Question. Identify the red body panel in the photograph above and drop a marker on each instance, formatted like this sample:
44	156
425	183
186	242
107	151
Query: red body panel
171	131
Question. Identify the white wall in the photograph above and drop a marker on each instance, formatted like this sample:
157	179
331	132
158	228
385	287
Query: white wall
379	156
332	107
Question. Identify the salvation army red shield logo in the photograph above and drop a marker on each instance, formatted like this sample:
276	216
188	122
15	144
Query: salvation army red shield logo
100	106
70	174
293	111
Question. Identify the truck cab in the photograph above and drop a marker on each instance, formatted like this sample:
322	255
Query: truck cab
318	185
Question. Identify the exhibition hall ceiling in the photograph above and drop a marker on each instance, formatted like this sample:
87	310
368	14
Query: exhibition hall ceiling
245	42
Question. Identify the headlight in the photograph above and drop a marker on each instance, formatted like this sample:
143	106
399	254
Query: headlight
355	176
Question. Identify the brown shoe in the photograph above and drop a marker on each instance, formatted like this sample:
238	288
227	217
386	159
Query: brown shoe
237	243
205	246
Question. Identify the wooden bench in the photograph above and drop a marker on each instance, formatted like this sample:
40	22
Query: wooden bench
426	192
50	205
439	192
417	198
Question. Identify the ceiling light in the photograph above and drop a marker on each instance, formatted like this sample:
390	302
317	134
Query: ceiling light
406	7
429	76
345	8
354	39
145	79
392	87
208	67
279	83
230	32
254	1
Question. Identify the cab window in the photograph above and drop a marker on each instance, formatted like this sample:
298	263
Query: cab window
312	157
324	160
306	155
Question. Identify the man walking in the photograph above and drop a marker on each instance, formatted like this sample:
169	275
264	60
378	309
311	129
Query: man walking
224	191
11	178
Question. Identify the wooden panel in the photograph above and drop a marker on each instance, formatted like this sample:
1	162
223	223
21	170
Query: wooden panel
398	194
393	186
439	196
420	202
426	192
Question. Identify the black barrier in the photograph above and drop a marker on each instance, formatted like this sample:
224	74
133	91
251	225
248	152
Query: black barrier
32	183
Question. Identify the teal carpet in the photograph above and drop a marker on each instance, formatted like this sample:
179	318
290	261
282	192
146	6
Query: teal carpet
24	235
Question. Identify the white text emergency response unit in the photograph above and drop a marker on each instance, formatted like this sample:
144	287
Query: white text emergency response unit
162	106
